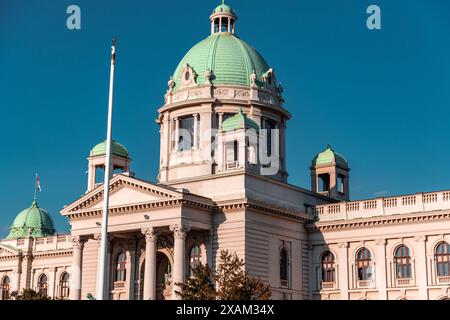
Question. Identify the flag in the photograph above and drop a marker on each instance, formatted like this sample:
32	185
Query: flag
38	184
113	51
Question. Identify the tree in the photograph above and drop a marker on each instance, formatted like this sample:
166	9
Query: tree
29	294
231	279
200	286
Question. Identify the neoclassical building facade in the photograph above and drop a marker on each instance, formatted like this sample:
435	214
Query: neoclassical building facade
223	184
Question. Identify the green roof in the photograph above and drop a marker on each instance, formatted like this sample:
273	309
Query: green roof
37	219
231	60
239	121
329	156
116	149
223	8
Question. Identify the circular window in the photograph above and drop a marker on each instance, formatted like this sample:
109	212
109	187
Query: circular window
187	76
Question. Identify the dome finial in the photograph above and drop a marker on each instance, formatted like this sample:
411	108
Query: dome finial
223	19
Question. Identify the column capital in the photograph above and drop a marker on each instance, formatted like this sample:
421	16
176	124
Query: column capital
343	245
380	242
77	241
420	238
151	234
52	269
180	230
195	115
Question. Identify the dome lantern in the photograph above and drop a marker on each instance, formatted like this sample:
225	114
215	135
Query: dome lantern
120	162
330	175
223	19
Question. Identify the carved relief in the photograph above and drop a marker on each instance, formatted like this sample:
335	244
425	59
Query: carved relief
239	93
188	77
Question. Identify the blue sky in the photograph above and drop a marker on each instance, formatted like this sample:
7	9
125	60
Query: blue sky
379	97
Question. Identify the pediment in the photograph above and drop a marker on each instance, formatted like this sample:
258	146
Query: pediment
6	251
124	190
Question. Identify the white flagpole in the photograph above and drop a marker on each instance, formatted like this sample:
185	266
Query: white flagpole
101	286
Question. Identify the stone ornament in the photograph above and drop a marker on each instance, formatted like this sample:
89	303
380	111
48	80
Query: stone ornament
151	234
180	230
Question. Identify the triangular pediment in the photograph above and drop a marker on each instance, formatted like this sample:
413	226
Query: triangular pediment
7	251
123	190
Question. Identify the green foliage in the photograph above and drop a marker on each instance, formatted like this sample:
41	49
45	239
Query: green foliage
28	294
231	279
200	286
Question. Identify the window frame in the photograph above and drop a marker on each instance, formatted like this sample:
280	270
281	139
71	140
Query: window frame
121	267
364	264
402	262
64	285
5	283
442	259
328	267
42	286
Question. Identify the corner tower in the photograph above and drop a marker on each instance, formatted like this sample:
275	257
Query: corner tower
330	175
221	77
120	161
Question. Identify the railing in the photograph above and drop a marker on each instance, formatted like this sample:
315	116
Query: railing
421	202
364	283
119	285
231	165
402	282
443	279
328	285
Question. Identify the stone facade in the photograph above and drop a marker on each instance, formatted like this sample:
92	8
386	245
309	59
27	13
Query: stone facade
227	189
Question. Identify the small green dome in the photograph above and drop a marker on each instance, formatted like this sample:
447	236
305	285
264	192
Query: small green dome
223	8
230	59
239	121
35	219
329	156
116	149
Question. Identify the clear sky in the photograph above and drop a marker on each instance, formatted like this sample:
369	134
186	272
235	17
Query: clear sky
379	97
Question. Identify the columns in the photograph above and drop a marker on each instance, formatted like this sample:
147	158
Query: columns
131	266
380	269
151	246
16	284
52	283
343	270
421	267
195	142
177	133
179	234
75	276
219	125
229	24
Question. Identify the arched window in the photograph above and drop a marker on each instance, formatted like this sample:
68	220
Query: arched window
5	288
328	268
64	285
195	257
364	264
402	262
42	284
121	266
284	267
442	256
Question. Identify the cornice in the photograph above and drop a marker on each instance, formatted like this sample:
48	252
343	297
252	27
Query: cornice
378	221
264	208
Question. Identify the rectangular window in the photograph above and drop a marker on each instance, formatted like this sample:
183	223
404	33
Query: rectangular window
186	134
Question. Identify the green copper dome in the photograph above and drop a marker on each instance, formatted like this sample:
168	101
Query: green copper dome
33	219
239	121
116	148
230	59
329	156
223	8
